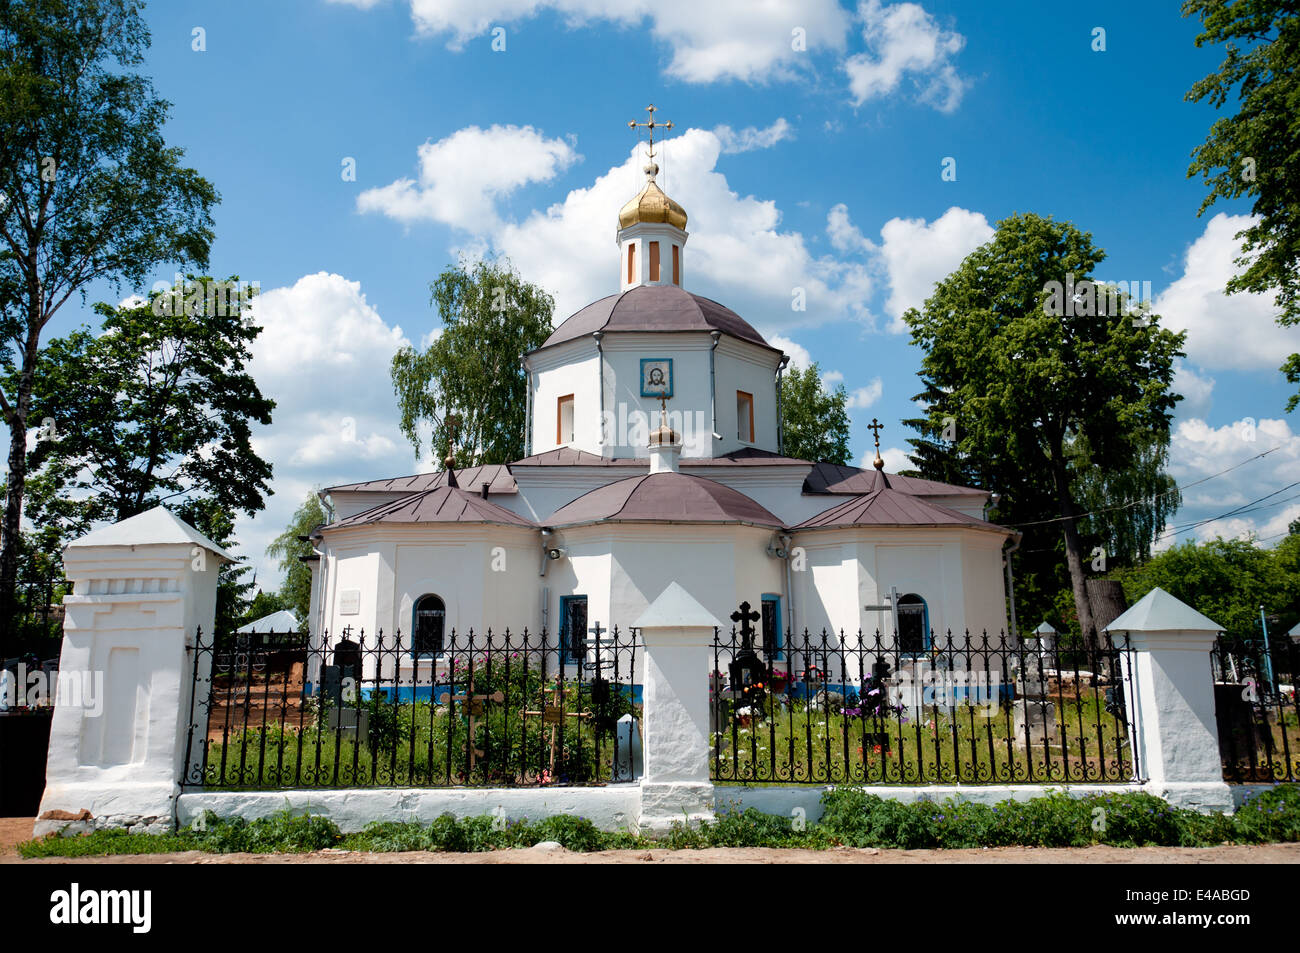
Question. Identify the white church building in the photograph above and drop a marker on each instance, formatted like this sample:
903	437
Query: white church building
654	455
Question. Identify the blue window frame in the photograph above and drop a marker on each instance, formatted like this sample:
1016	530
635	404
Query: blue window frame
773	642
573	629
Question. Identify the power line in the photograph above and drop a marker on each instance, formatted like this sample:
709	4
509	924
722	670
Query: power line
1237	511
1144	499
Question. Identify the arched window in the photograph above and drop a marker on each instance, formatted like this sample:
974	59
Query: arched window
913	625
427	627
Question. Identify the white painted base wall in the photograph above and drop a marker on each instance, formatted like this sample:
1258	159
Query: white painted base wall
612	808
785	800
625	807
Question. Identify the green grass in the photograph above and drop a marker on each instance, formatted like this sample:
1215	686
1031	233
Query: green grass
798	745
851	818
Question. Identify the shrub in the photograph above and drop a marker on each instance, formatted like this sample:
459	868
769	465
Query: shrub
573	833
105	842
1137	820
283	832
1273	815
388	836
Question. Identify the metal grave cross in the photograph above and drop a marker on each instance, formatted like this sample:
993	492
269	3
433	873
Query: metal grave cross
746	618
473	705
594	645
890	606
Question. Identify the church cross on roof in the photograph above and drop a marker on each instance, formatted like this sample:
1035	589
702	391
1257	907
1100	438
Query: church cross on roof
651	125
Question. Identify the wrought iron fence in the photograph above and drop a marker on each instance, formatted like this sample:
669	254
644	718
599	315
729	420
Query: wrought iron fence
1256	708
488	709
968	709
36	624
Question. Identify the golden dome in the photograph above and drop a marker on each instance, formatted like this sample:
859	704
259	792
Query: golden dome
652	205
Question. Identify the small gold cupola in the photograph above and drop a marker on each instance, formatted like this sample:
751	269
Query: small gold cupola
652	205
651	227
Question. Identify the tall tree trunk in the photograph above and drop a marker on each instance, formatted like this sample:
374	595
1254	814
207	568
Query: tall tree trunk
1074	553
1106	600
11	526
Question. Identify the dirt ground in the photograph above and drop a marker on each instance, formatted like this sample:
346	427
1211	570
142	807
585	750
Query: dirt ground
14	830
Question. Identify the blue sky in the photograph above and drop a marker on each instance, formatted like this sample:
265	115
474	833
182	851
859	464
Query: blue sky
817	168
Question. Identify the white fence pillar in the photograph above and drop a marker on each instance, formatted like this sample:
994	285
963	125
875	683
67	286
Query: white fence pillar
142	588
678	636
1174	732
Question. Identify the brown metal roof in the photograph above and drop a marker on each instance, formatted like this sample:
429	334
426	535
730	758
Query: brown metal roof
887	507
655	308
833	478
444	504
469	478
663	498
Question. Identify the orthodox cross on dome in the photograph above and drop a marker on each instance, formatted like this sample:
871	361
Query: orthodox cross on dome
651	125
876	426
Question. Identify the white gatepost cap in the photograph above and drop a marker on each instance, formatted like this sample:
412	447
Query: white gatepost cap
158	526
675	608
1158	611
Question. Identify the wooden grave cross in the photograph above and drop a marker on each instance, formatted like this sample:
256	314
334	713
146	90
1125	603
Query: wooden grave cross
473	704
553	714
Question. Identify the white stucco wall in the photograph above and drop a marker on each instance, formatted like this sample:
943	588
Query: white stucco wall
746	367
955	571
621	568
486	575
569	368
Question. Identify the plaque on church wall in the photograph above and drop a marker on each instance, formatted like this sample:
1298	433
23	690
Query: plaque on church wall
656	377
349	602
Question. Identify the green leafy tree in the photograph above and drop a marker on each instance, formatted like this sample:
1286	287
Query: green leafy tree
234	588
814	420
1256	152
156	408
262	605
1225	579
1030	383
89	191
290	547
472	372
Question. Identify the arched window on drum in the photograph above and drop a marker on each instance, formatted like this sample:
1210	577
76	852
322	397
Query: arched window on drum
428	626
913	625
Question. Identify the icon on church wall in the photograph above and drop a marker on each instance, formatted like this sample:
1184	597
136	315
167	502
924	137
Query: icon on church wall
656	377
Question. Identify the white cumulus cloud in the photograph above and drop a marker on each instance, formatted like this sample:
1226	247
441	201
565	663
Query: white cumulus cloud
323	356
1198	451
1195	388
844	235
916	255
905	42
799	356
718	40
861	398
751	137
462	176
1237	332
738	252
